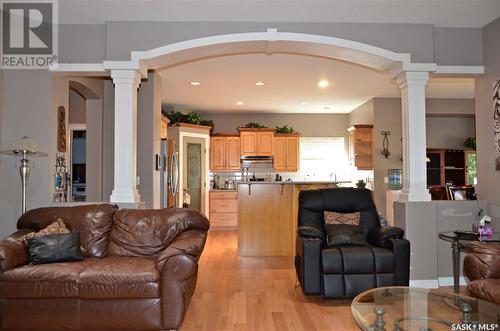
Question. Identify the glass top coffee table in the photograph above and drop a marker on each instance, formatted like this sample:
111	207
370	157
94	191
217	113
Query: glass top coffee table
406	308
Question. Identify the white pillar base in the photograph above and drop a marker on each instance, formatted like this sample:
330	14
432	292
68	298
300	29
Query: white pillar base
125	195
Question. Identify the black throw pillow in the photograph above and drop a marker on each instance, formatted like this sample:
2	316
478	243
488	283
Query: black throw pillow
344	235
55	248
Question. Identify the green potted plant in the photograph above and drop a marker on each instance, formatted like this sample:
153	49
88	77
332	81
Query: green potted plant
285	130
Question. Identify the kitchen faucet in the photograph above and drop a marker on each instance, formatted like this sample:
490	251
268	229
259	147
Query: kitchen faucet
333	174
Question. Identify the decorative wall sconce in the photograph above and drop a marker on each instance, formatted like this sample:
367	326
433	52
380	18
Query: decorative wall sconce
385	144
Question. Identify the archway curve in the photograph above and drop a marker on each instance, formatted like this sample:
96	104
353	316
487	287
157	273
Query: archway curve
83	90
271	42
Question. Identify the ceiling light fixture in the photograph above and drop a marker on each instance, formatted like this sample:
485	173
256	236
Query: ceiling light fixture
240	103
323	83
195	83
259	83
303	103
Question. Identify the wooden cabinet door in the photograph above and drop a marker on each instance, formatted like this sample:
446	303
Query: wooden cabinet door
292	154
265	143
248	143
217	153
233	153
280	150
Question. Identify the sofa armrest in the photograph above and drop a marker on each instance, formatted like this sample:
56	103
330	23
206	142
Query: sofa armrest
178	266
308	264
483	261
310	232
386	233
13	253
189	242
401	250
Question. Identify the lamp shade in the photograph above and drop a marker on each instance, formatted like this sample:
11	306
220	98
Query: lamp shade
24	144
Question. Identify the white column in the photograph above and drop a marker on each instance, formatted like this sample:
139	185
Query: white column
412	86
125	162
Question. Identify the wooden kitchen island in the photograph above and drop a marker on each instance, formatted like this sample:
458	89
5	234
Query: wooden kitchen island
267	216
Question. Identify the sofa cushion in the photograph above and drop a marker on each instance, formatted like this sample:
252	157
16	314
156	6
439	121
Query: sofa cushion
57	247
107	278
92	221
344	235
120	277
55	280
357	260
54	227
143	232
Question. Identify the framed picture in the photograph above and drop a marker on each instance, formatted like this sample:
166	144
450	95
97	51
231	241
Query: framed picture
61	129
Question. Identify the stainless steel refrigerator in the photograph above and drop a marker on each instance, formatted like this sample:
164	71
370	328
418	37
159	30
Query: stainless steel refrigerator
167	162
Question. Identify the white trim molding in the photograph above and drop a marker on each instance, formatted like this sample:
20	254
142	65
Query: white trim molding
448	281
424	283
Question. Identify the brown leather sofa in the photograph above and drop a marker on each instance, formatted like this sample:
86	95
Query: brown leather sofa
139	273
482	268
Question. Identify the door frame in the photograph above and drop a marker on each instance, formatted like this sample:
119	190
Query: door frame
74	127
183	135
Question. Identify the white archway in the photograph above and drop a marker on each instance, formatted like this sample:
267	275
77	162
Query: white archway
126	75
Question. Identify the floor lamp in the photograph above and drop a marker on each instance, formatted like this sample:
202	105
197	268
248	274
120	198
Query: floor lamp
24	147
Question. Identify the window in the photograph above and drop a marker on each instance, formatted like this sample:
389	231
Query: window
321	157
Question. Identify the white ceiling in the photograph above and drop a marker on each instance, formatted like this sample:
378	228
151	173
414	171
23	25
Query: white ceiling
445	13
289	80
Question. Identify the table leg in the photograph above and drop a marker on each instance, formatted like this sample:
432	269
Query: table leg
456	266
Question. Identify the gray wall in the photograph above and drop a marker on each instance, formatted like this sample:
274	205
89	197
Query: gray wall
30	102
77	105
387	115
309	125
488	177
449	132
363	114
454	47
148	139
108	148
449	123
422	222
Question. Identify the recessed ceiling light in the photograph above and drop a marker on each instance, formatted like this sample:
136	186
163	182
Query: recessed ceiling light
323	83
240	103
194	83
259	83
303	103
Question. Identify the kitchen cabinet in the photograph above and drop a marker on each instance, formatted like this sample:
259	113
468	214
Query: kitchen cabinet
225	153
361	146
286	152
256	142
223	209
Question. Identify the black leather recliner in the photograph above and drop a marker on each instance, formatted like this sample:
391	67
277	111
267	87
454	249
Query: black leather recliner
345	271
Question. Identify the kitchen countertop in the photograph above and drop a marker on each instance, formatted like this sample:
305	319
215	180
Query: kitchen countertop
300	182
222	190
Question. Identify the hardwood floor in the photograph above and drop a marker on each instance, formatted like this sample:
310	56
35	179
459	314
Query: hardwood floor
255	293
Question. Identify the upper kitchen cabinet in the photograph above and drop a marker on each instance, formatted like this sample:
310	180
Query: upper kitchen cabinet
256	142
224	153
361	146
286	152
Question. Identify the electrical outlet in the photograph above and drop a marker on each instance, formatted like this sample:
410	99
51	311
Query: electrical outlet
386	180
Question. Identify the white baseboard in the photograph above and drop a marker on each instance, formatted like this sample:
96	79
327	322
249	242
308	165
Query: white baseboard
425	283
448	281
